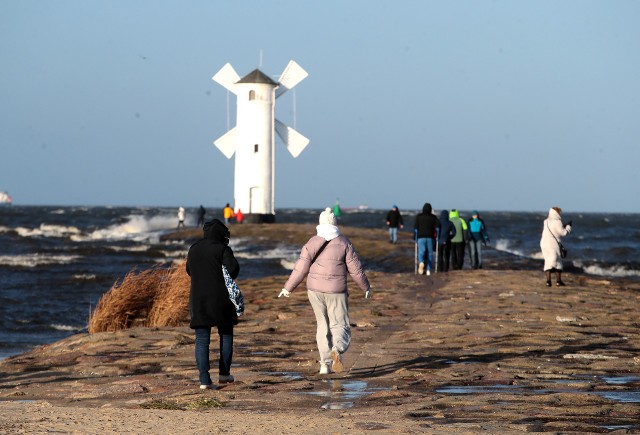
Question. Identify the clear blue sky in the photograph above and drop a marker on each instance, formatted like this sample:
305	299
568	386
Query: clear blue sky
489	105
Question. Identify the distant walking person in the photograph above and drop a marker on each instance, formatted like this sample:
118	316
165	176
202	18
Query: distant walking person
201	214
209	303
394	220
227	213
181	215
326	260
239	216
552	231
458	241
478	236
446	233
425	229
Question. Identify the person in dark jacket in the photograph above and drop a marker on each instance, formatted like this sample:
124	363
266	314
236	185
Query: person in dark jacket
425	228
201	213
394	220
209	303
446	233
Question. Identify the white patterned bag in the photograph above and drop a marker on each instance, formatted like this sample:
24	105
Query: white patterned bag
234	292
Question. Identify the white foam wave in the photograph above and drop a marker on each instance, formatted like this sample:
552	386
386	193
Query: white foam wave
33	260
615	271
60	327
45	230
287	264
505	246
137	228
85	276
280	252
136	248
175	254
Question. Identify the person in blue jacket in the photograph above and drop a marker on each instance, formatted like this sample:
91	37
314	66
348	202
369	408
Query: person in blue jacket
478	236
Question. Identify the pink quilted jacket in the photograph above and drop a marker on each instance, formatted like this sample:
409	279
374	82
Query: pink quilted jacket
328	274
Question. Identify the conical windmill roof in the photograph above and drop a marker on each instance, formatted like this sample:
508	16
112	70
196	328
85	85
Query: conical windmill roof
257	76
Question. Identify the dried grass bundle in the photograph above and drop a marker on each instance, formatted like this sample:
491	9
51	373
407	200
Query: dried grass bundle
171	303
127	301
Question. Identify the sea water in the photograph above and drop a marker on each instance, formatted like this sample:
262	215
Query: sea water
56	262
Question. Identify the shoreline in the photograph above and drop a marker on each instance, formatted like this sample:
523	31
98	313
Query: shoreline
490	350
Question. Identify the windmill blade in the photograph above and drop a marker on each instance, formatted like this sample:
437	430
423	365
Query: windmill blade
227	143
294	141
227	77
291	76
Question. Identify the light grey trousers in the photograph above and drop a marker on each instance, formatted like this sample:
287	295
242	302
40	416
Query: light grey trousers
332	318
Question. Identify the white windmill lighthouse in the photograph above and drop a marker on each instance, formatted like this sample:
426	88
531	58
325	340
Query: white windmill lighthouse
252	139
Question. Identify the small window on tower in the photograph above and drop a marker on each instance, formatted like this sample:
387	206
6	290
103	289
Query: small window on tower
252	95
255	148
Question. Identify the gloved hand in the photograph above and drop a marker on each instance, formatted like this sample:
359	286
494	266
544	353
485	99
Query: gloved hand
369	293
286	293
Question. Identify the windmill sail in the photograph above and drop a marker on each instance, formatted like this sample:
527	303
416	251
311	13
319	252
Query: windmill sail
291	76
227	143
227	77
294	141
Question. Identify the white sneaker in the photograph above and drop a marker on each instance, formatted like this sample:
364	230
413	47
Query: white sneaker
222	379
428	272
207	387
325	368
337	361
421	269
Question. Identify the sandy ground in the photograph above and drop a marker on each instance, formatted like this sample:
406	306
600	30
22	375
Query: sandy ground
486	351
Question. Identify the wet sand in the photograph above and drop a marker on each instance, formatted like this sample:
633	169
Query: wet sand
490	350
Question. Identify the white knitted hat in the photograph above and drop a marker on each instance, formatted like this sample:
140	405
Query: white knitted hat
327	217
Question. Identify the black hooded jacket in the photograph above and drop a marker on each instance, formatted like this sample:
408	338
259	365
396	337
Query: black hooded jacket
426	223
447	229
209	303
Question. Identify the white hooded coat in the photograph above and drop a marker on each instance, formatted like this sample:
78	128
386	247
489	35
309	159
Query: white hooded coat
552	227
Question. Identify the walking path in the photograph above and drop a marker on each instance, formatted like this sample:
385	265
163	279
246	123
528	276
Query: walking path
464	352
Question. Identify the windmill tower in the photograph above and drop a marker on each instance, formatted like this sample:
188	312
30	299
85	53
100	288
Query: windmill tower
252	139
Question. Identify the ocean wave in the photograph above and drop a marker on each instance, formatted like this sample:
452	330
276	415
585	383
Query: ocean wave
46	230
33	260
506	245
617	271
85	276
137	228
287	264
59	327
280	252
137	248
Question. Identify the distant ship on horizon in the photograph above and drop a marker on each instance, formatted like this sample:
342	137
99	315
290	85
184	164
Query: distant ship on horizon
5	199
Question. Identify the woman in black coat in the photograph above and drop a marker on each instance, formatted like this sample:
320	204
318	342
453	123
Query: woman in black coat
209	303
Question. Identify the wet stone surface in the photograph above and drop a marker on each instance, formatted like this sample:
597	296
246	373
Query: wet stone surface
490	350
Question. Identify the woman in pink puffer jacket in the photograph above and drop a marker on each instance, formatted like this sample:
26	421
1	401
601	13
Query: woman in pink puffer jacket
326	259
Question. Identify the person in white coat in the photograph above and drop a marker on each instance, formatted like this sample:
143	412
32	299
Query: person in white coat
552	231
181	216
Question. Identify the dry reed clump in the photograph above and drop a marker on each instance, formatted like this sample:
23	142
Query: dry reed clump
155	297
171	304
126	302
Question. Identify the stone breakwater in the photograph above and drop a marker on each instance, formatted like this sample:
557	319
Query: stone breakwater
489	350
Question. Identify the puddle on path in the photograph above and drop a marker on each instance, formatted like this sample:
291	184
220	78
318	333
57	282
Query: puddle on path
290	376
342	393
616	396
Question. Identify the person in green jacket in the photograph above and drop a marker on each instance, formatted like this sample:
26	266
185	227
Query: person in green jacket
458	241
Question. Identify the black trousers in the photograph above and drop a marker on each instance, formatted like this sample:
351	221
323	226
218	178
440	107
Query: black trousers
444	254
457	255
